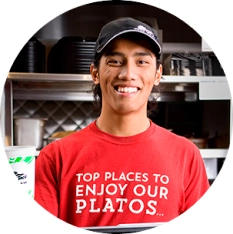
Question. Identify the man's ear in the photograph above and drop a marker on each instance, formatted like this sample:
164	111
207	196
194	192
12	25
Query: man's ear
158	75
94	74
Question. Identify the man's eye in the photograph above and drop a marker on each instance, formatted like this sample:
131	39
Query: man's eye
142	62
114	62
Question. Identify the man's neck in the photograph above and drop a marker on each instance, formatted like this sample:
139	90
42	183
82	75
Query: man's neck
123	125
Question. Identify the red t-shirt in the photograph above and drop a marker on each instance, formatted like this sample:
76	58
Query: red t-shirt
92	178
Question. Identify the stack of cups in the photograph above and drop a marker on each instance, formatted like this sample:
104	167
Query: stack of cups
22	162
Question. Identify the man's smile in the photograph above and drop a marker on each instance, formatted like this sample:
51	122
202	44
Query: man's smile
124	89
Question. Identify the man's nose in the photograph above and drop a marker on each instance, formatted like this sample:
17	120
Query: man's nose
128	71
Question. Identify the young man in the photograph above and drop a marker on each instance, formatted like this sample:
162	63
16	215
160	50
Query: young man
122	168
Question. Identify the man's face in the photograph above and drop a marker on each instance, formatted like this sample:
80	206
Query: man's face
127	73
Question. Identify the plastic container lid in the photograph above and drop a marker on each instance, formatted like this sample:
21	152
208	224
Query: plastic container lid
16	151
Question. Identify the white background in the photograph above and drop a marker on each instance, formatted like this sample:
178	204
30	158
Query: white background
20	20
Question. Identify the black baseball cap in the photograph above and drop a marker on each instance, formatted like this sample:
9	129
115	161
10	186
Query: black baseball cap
121	26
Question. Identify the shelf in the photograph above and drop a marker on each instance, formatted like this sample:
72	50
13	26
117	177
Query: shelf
193	79
170	48
47	86
49	77
213	153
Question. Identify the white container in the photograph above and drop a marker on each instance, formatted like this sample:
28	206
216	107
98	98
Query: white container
29	131
22	162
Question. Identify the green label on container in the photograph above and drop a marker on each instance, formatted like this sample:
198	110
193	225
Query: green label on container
30	192
27	159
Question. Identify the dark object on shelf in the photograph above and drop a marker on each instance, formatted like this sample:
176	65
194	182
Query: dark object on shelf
187	64
71	55
31	58
195	64
216	67
201	143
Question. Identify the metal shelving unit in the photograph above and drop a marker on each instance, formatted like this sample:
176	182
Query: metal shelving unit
45	86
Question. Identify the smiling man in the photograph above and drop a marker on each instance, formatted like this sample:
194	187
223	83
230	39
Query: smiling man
126	74
122	168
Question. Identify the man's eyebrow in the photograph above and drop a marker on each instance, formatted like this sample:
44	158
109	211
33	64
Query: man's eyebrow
143	54
114	53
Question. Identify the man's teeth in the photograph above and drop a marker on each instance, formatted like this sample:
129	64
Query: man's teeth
127	89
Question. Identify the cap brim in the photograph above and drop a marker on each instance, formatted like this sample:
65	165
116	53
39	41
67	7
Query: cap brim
100	49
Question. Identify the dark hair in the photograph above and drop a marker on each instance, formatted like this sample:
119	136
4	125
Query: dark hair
97	94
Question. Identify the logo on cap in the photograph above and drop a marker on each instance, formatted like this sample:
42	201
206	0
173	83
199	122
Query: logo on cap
142	29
